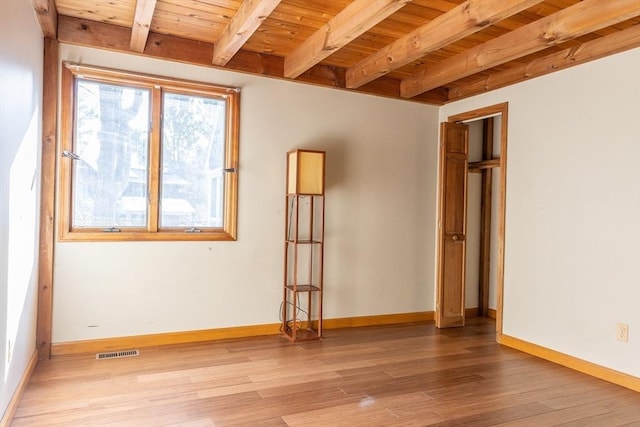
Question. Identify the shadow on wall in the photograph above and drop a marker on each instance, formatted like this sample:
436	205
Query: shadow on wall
336	160
337	288
20	130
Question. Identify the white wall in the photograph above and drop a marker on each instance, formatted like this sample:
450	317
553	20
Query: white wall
21	47
380	216
572	264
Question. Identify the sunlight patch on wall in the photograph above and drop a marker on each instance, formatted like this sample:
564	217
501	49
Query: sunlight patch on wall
23	226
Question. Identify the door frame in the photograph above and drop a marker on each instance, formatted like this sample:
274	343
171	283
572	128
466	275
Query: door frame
502	110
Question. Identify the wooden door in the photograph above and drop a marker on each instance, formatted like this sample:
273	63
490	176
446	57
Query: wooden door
452	224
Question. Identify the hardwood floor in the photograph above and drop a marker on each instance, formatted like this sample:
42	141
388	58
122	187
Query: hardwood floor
404	375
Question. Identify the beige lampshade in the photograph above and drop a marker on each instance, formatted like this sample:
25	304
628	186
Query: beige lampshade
305	172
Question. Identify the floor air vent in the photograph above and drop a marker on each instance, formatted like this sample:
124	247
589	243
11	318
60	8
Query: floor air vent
117	354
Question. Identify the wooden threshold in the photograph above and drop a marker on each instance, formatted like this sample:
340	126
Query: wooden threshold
472	312
475	312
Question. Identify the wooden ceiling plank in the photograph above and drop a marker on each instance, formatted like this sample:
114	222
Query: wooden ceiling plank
119	12
100	35
574	21
461	21
47	17
242	26
588	51
353	21
141	24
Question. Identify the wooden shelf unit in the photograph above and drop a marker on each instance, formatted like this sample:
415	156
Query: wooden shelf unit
303	255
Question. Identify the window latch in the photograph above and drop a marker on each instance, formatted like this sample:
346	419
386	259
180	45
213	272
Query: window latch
230	170
111	230
70	154
192	230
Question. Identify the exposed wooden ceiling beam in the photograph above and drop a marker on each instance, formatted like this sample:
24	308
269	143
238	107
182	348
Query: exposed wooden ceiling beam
242	26
461	21
574	21
47	17
116	38
141	24
588	51
353	21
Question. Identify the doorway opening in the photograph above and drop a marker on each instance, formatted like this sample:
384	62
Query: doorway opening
471	221
481	231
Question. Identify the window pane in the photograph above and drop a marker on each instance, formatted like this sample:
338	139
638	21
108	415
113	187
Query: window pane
110	182
193	141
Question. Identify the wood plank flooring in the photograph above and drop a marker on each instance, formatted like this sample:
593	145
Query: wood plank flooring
399	375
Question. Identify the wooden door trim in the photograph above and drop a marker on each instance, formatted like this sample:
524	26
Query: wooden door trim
439	231
494	110
485	216
47	197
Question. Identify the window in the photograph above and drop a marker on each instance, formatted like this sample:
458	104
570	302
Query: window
146	158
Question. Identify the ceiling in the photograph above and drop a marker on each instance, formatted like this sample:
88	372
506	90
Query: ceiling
433	51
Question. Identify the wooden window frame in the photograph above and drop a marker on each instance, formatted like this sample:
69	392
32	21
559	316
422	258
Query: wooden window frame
156	84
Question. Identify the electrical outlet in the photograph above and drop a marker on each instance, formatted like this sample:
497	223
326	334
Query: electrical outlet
622	332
